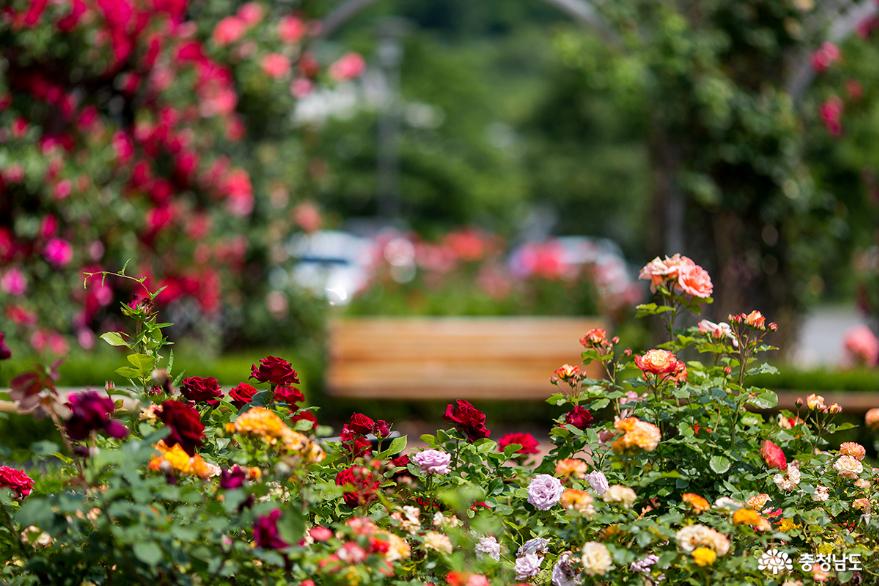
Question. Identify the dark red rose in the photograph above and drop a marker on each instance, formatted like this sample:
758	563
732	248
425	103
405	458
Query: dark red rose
307	416
274	370
242	394
20	483
526	440
232	478
266	533
382	428
5	352
361	424
185	425
468	419
379	546
201	390
579	417
361	484
91	412
289	395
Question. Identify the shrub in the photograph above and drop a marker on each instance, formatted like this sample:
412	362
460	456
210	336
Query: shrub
683	485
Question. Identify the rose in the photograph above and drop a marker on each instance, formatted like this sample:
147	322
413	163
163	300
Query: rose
598	481
184	424
872	418
528	566
274	370
242	394
526	440
266	533
469	420
853	449
5	352
20	483
595	558
433	461
361	485
201	390
361	424
488	547
544	492
232	477
695	281
579	417
657	362
91	412
289	395
305	416
593	338
773	455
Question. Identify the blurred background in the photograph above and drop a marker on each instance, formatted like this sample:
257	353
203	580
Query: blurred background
279	165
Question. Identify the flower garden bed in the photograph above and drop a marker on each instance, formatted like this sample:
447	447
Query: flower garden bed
681	484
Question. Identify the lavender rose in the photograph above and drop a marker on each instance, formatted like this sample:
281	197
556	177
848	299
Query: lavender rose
488	547
597	481
433	461
528	566
544	491
538	546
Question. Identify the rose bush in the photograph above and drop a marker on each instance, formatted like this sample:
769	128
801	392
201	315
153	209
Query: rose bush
127	132
664	470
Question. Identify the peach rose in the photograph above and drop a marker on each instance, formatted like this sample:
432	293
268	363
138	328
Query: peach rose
694	280
853	449
872	418
636	434
570	467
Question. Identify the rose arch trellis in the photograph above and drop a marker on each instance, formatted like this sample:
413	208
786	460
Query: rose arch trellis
722	234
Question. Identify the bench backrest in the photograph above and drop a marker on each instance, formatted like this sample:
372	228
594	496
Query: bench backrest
449	358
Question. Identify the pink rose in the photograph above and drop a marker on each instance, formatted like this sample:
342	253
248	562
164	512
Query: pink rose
13	282
276	65
58	252
348	66
291	29
862	345
229	30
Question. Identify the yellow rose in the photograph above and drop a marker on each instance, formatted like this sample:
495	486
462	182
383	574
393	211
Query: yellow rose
704	556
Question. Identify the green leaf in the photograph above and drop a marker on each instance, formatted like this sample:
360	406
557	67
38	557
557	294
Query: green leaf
142	362
127	372
765	399
114	339
719	464
398	444
647	309
291	525
148	552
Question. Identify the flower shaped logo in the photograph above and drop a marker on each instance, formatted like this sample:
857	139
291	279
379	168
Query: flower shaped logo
774	561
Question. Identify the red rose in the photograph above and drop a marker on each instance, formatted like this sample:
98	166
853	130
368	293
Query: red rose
360	423
289	395
306	416
201	390
232	478
185	425
773	455
242	394
400	461
579	417
20	483
361	485
266	533
90	412
526	440
468	419
274	370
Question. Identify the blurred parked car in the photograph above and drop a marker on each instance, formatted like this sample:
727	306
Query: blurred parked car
331	263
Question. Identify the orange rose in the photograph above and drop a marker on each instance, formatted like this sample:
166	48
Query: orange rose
657	362
696	502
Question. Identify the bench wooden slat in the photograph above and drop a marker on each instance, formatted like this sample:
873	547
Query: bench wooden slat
426	358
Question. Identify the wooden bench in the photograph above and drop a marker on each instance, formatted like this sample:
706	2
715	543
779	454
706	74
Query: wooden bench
451	358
